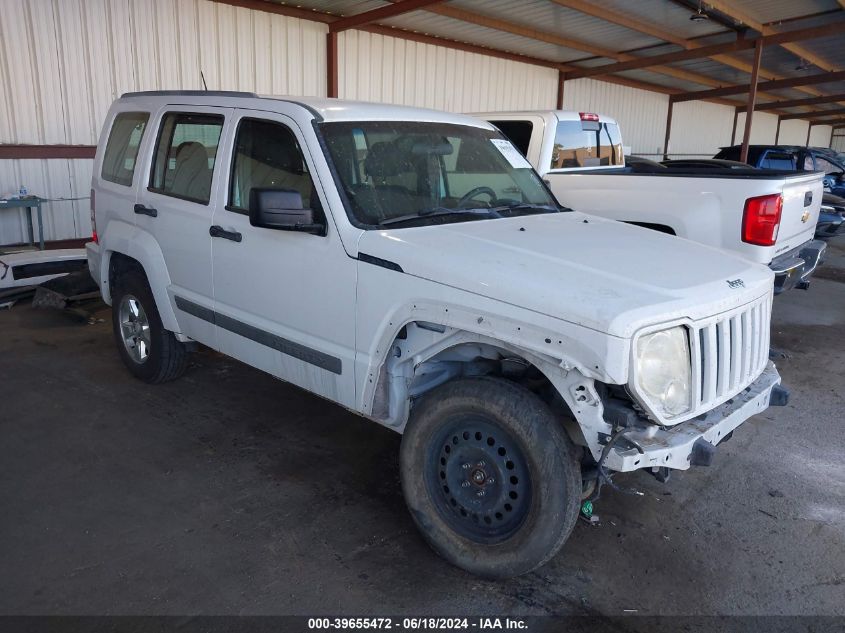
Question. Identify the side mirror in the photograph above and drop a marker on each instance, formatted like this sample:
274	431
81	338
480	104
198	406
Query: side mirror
281	209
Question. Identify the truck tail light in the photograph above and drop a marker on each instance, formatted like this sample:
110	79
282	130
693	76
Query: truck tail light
761	219
588	116
94	237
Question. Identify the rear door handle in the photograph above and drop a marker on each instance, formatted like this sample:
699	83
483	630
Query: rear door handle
140	209
218	231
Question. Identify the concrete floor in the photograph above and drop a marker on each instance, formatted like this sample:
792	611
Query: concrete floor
228	492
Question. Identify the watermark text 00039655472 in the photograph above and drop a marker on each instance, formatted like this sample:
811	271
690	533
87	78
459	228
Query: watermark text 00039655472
418	623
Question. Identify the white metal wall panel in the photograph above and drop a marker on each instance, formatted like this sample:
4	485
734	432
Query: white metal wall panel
763	128
838	141
64	61
641	114
700	128
792	132
375	67
820	136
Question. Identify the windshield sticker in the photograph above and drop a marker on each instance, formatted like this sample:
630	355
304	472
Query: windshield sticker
511	154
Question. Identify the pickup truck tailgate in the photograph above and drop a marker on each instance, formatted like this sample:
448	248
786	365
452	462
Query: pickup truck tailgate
802	198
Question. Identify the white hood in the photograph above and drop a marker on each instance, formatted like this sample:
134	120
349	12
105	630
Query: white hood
605	275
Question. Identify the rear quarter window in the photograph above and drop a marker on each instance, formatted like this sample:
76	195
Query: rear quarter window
121	153
518	133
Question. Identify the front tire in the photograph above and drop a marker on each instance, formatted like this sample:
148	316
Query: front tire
489	476
150	352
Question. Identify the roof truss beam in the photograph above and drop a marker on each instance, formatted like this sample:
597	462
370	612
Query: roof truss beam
507	26
627	21
728	8
835	124
382	13
796	103
811	115
777	84
835	28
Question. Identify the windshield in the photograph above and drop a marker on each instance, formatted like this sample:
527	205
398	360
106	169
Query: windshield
402	173
586	144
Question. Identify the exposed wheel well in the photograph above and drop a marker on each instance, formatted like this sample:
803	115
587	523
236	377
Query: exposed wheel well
424	356
120	264
471	359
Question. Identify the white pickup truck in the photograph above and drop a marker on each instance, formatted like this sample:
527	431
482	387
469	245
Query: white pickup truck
364	253
766	216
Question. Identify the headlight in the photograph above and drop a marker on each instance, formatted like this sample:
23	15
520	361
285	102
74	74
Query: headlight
663	370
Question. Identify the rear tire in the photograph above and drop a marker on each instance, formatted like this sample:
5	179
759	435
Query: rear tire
150	352
489	476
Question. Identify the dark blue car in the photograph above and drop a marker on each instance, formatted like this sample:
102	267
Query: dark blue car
831	217
794	158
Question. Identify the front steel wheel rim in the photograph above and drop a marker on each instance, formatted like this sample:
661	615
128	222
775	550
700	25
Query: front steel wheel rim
134	329
479	480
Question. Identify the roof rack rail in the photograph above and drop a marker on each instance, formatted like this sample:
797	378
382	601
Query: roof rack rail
188	93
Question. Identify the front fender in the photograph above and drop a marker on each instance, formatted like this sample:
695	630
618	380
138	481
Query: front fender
140	245
390	305
388	394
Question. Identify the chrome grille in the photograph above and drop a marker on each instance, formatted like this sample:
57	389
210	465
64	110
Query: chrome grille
728	353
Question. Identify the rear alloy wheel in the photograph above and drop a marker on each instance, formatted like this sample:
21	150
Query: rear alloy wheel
134	328
489	476
149	351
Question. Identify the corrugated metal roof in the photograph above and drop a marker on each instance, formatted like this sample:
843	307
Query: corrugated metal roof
598	35
441	26
337	7
552	18
667	15
774	10
660	79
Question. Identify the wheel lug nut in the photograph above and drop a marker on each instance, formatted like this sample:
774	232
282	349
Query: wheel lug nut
465	466
481	464
480	493
491	480
465	484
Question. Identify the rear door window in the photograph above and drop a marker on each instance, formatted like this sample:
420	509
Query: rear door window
186	151
586	144
122	147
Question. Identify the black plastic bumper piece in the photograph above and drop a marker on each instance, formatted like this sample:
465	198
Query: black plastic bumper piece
779	396
702	453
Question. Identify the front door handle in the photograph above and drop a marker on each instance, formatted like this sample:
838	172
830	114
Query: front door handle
140	209
218	231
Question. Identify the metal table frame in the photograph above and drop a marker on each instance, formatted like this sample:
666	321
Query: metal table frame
29	204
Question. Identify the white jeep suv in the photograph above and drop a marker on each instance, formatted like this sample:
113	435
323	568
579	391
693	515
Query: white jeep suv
410	265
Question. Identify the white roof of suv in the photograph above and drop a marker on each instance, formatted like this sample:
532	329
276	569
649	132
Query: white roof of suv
322	108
